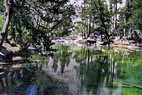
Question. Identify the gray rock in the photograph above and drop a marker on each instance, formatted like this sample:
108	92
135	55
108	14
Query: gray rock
4	51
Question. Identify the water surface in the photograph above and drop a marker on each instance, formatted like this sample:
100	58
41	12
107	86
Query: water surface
78	71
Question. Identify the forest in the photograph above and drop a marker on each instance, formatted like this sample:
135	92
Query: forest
40	39
38	22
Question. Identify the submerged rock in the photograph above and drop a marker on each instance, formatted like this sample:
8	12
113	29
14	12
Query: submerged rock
97	51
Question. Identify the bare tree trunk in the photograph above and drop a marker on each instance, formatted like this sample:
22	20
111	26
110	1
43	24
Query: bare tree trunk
4	31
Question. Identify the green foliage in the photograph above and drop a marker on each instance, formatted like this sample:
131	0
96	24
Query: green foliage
136	19
24	53
94	14
36	24
1	21
1	6
131	17
121	25
103	15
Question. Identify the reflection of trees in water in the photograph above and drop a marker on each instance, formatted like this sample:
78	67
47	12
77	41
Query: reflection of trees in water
4	83
3	80
15	79
82	55
95	71
55	63
62	57
29	80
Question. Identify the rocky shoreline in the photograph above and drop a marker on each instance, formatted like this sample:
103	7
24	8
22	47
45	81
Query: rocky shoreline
83	42
8	50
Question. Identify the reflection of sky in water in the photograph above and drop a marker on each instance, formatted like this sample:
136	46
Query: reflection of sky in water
31	90
69	75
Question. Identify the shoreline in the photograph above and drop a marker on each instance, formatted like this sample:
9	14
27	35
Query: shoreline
82	42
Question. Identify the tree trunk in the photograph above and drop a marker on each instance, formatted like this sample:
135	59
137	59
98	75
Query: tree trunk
115	16
124	30
4	31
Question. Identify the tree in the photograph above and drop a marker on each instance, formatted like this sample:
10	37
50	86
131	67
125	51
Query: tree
125	14
136	18
114	9
7	15
37	18
95	14
102	17
131	19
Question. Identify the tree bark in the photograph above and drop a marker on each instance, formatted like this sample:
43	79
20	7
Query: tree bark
7	12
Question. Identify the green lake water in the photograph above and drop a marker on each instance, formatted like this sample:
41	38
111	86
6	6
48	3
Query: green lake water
78	71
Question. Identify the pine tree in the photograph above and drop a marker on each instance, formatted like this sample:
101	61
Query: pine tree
114	9
34	21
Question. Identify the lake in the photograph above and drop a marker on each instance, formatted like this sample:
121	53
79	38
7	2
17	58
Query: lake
75	70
